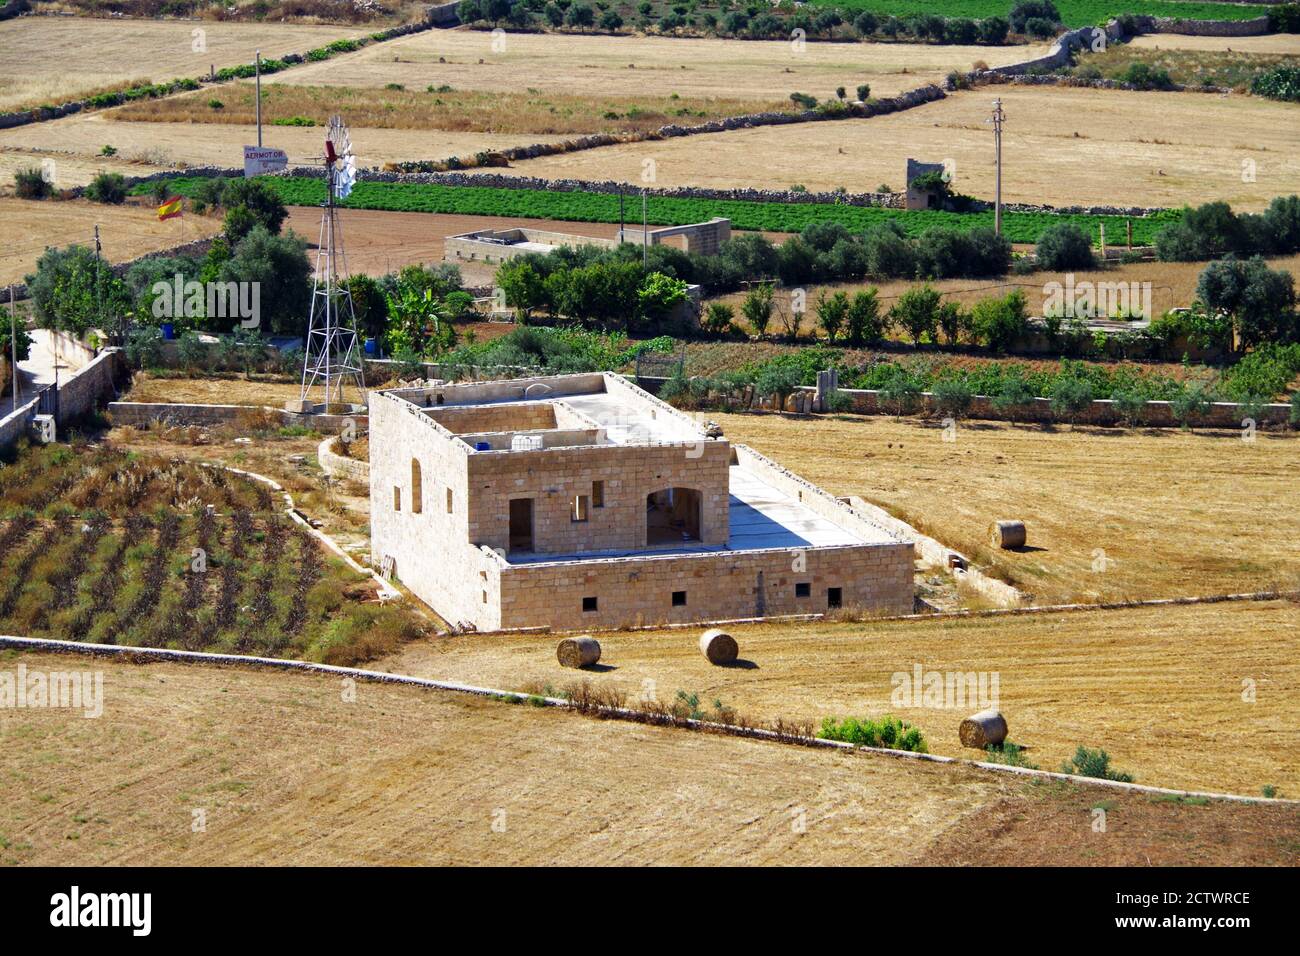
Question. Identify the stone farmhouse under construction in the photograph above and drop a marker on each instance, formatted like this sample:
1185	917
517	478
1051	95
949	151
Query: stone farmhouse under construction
582	501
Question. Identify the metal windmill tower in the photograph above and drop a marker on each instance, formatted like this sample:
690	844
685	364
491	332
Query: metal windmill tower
333	358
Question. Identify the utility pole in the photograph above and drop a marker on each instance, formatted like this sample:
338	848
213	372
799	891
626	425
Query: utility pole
998	117
13	343
621	223
257	73
645	228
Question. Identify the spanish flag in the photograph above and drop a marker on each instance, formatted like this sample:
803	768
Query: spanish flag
170	208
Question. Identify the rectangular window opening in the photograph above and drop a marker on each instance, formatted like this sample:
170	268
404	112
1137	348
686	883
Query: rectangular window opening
679	599
397	498
803	589
598	494
450	499
834	598
589	604
581	507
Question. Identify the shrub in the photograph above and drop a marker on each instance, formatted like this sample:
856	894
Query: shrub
1008	753
779	379
1064	246
757	308
889	731
900	392
30	184
1282	83
74	290
1014	393
1070	396
1295	409
994	30
1260	300
864	93
143	348
917	312
865	325
1190	404
719	318
1025	10
1094	763
999	322
952	396
1141	76
250	203
1129	405
107	188
832	313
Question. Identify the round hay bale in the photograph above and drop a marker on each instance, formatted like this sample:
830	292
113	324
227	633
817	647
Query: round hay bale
718	646
979	730
578	651
1008	534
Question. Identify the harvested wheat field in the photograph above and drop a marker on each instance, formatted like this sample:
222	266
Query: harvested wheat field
286	772
75	142
634	65
494	112
58	59
126	231
1269	44
1164	512
1159	689
1061	146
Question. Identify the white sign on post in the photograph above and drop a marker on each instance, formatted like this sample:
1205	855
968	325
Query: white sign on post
259	161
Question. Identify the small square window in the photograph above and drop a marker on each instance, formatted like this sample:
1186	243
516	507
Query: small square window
834	597
581	508
598	494
589	604
803	589
679	599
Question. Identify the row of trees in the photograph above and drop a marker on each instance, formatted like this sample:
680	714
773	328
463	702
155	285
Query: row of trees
1213	230
1037	18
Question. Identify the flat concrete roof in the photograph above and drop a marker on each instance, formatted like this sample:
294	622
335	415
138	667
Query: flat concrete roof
762	518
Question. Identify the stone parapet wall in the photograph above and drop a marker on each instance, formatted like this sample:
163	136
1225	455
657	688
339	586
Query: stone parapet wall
634	592
340	466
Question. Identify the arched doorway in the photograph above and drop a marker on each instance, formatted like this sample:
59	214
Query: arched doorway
672	516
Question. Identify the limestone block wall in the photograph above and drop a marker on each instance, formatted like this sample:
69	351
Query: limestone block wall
467	419
430	547
633	592
552	477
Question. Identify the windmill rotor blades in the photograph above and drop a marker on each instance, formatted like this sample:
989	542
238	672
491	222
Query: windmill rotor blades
338	154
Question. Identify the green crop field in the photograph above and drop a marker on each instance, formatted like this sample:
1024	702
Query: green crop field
1074	13
662	211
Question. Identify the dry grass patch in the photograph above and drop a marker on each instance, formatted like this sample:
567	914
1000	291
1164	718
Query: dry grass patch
1175	512
212	390
75	143
57	59
463	112
1272	43
289	773
1062	146
1221	68
1159	689
628	66
126	231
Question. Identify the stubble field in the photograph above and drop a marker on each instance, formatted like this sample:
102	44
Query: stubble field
57	59
287	772
1172	513
1161	690
1062	146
